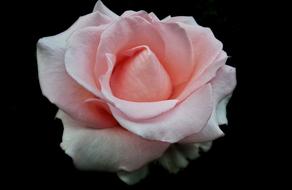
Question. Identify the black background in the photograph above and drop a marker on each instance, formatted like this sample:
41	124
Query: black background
234	161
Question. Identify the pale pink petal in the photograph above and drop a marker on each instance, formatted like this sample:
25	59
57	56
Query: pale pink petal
80	57
129	32
181	19
140	77
206	48
133	110
189	117
56	84
109	149
129	13
178	52
209	132
100	7
208	56
100	112
198	80
223	85
151	17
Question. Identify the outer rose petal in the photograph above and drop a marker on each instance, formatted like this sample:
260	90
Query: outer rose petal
177	155
181	19
221	110
189	117
223	85
133	177
99	6
110	149
56	84
209	132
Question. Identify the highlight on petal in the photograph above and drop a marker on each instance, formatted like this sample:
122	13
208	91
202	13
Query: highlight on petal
55	82
181	19
221	110
209	132
151	17
80	57
223	85
140	77
110	149
188	117
132	110
133	177
100	7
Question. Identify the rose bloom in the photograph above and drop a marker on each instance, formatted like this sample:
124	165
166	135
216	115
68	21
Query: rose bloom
132	89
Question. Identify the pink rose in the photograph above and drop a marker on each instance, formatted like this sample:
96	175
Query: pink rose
130	86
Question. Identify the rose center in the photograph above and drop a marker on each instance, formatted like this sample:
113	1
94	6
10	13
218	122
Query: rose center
139	76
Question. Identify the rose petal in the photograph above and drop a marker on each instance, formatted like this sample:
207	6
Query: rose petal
178	52
221	110
166	18
80	57
223	85
207	57
129	32
181	19
140	77
173	160
109	149
133	110
189	117
56	84
151	17
134	177
177	155
209	132
100	112
99	6
198	80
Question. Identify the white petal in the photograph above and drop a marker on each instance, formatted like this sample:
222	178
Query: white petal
177	155
134	177
173	160
182	19
221	110
99	6
109	149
